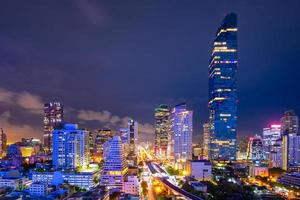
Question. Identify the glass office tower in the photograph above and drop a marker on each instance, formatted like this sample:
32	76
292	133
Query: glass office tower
223	91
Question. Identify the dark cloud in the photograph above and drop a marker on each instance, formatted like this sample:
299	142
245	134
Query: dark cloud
129	57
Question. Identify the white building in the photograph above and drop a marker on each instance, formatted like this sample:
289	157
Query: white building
81	179
115	167
12	182
182	134
38	189
199	169
70	147
131	186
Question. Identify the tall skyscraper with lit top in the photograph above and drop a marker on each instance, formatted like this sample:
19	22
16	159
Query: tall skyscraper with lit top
182	133
132	139
53	117
223	91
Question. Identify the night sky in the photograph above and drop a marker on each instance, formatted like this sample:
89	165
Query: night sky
110	60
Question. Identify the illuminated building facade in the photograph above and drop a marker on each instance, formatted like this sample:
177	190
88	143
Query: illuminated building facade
162	116
3	142
270	136
223	91
70	147
255	149
290	140
276	154
115	168
101	136
53	117
206	139
182	133
132	138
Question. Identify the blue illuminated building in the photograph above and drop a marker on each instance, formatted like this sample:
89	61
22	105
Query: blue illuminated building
223	92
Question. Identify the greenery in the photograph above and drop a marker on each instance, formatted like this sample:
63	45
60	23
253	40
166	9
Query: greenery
187	187
171	171
227	190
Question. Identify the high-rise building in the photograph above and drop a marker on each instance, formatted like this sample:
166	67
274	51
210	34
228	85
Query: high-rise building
206	139
290	140
3	142
270	136
182	133
53	117
223	91
115	169
101	136
132	138
255	149
162	142
276	154
70	147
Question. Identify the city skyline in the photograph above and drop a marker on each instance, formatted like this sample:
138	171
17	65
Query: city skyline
39	66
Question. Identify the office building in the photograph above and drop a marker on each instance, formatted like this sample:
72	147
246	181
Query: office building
53	117
270	136
290	179
255	149
70	147
3	142
182	133
223	91
276	154
115	167
290	140
162	125
206	140
132	139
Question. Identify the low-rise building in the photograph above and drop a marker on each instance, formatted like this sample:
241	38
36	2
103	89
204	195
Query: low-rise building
12	182
290	179
199	169
131	186
258	171
198	186
38	189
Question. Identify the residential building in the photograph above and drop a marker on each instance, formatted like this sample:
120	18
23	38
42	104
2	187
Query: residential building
70	147
53	117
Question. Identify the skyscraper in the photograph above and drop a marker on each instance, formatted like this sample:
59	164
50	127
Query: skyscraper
206	139
162	116
114	169
3	142
132	138
270	136
223	91
53	117
255	149
182	133
290	140
70	147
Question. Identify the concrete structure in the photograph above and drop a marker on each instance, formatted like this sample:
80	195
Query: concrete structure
255	170
199	169
131	186
38	189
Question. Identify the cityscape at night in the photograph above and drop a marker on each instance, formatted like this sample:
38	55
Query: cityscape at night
149	100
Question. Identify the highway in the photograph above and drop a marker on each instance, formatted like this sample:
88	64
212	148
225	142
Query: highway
160	174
